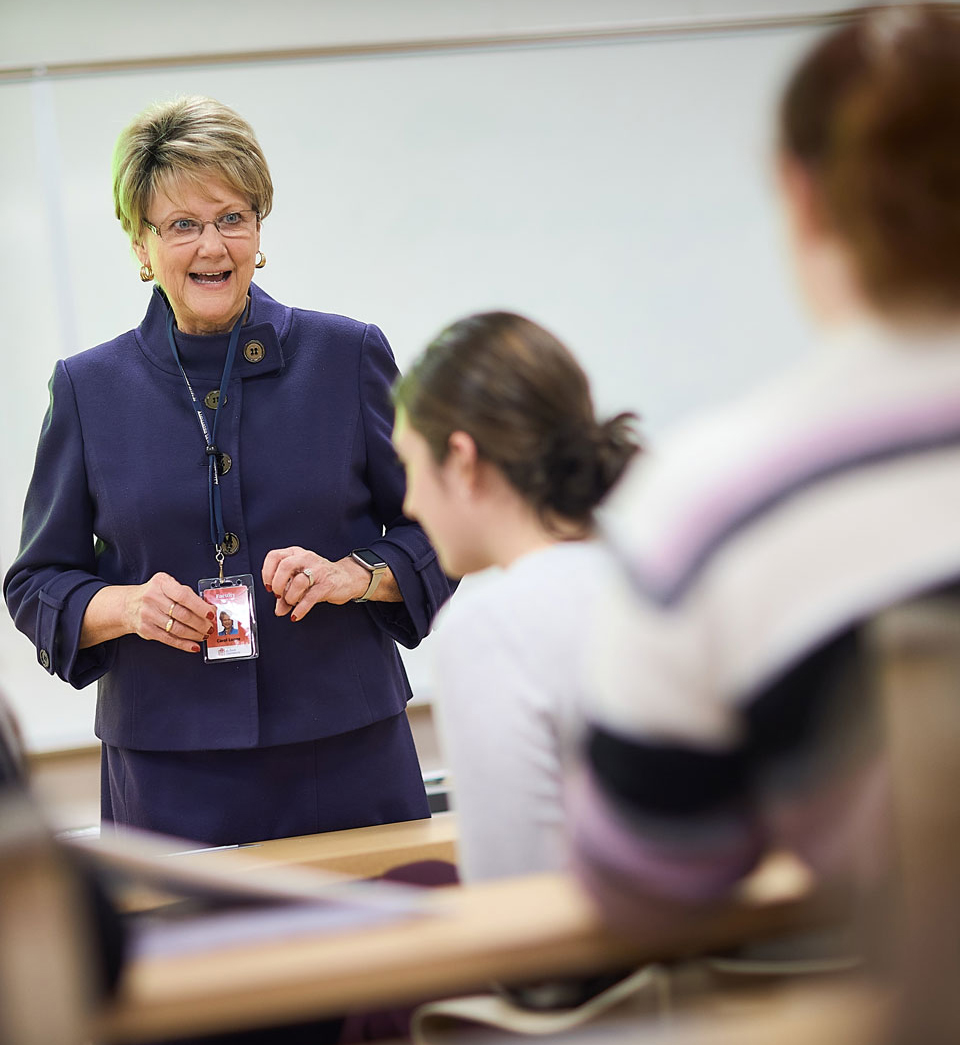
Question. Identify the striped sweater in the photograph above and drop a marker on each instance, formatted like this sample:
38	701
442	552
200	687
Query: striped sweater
729	712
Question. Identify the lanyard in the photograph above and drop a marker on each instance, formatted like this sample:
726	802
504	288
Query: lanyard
217	532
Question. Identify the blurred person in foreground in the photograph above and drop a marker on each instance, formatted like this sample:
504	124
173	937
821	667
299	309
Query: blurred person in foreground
272	486
730	714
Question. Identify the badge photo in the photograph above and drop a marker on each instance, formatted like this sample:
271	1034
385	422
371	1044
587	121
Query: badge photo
235	633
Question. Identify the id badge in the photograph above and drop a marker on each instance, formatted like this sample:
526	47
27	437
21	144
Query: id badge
235	633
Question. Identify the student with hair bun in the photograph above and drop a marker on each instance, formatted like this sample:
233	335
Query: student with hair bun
506	463
727	708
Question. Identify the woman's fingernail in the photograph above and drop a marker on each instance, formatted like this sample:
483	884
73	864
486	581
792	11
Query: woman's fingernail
194	649
210	616
269	589
292	617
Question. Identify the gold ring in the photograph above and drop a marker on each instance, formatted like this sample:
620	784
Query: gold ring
170	611
169	625
308	573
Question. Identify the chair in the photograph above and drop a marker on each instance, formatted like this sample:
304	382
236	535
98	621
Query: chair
13	767
916	648
46	988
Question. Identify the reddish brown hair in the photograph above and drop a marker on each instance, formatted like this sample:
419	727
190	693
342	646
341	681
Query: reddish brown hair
873	113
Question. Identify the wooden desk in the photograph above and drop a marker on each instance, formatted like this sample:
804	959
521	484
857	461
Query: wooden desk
365	851
512	929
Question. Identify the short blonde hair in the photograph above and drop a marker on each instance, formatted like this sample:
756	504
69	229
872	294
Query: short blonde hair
186	140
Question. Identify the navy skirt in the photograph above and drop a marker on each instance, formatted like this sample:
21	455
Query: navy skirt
367	776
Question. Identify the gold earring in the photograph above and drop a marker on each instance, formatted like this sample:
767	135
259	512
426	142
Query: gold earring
261	259
146	273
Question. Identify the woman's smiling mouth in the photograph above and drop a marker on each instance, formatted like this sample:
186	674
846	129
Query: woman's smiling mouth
210	277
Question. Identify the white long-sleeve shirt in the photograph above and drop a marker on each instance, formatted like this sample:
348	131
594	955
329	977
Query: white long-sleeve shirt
508	656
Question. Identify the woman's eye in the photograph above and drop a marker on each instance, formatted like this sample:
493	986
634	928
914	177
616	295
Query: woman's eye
183	225
233	218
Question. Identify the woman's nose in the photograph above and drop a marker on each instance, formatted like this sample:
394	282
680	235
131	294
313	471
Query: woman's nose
210	241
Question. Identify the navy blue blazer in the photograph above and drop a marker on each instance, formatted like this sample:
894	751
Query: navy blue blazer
119	492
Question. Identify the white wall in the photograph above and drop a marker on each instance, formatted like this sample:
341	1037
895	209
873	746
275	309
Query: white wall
618	192
41	32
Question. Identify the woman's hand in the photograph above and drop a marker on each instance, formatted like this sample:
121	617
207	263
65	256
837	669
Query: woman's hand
151	608
300	579
161	610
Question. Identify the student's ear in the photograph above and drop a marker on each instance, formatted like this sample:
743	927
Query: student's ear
462	461
801	198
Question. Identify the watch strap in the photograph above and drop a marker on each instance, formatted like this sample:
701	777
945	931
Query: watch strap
376	573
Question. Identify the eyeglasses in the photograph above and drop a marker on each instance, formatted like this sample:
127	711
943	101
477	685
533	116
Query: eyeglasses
235	225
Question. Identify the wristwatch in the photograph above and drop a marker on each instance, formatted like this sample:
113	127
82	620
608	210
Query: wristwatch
369	561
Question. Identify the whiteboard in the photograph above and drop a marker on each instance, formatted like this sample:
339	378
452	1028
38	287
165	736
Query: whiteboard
618	192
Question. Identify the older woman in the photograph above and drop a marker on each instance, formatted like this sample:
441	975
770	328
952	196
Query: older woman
273	487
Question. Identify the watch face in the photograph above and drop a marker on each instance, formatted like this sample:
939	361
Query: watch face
369	559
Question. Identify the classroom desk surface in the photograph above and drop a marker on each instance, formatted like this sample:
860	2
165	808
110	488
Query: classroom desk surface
509	930
365	851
